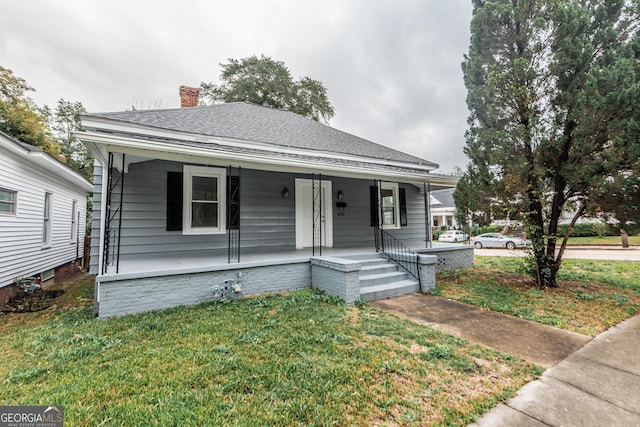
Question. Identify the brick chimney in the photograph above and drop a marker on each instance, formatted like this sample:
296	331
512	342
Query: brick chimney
189	96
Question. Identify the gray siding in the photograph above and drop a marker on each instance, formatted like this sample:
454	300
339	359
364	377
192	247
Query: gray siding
267	219
21	250
95	218
353	227
415	230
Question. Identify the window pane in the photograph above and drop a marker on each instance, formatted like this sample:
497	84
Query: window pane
388	216
387	197
46	223
204	188
7	201
47	204
204	214
7	196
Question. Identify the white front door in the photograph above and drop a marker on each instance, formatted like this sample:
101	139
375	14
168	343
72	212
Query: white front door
305	206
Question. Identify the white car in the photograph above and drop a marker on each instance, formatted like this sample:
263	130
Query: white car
454	236
497	240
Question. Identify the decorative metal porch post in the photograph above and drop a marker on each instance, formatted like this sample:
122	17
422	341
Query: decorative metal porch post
316	212
427	213
233	215
111	212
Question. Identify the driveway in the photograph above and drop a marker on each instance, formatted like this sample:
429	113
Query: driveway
609	253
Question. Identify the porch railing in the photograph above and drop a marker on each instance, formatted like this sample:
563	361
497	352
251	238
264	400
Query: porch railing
398	252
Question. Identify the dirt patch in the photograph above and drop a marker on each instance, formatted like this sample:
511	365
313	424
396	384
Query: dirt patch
30	302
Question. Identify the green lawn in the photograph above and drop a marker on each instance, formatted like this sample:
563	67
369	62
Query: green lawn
605	241
591	296
299	359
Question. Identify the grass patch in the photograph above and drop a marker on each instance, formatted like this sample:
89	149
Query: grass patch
604	241
591	297
299	359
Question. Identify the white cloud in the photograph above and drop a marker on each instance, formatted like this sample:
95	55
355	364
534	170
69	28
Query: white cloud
392	69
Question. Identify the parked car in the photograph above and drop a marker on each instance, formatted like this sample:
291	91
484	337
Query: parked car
496	240
454	236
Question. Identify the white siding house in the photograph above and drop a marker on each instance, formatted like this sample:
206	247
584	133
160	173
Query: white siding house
42	213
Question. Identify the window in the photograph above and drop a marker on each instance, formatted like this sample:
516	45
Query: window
204	200
389	205
8	201
46	223
74	221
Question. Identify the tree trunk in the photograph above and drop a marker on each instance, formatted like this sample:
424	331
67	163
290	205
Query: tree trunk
623	234
546	271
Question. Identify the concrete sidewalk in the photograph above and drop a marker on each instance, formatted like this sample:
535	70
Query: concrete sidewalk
589	383
598	385
540	344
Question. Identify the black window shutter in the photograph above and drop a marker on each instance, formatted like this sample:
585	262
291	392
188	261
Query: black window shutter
373	203
174	201
403	207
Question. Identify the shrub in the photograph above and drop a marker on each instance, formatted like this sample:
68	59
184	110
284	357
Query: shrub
597	229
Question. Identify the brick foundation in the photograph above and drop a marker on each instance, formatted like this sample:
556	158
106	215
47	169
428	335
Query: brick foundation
7	292
66	270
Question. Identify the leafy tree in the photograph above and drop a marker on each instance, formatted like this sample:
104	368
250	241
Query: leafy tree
65	121
264	81
546	110
619	197
20	118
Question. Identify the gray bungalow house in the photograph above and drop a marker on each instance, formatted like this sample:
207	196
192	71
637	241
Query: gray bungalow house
195	204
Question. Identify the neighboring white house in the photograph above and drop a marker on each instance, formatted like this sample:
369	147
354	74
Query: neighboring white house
443	209
42	214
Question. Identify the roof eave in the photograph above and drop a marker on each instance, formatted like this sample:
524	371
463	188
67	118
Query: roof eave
117	127
48	163
100	144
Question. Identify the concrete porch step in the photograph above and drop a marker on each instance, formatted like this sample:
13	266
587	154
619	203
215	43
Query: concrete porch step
371	261
380	267
389	290
381	278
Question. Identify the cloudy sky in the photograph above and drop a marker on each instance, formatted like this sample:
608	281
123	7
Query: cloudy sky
391	68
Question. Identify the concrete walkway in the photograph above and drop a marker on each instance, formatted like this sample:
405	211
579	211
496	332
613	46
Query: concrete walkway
589	383
531	341
598	385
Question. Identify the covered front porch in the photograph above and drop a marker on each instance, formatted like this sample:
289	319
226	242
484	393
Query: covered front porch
185	262
352	273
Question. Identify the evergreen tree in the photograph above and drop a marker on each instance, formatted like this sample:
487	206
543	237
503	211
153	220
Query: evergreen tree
539	76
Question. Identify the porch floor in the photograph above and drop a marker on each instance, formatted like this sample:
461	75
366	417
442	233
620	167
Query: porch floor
176	263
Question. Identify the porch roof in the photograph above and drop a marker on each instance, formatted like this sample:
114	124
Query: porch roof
250	136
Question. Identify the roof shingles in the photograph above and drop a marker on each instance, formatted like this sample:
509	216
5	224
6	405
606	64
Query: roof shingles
254	123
